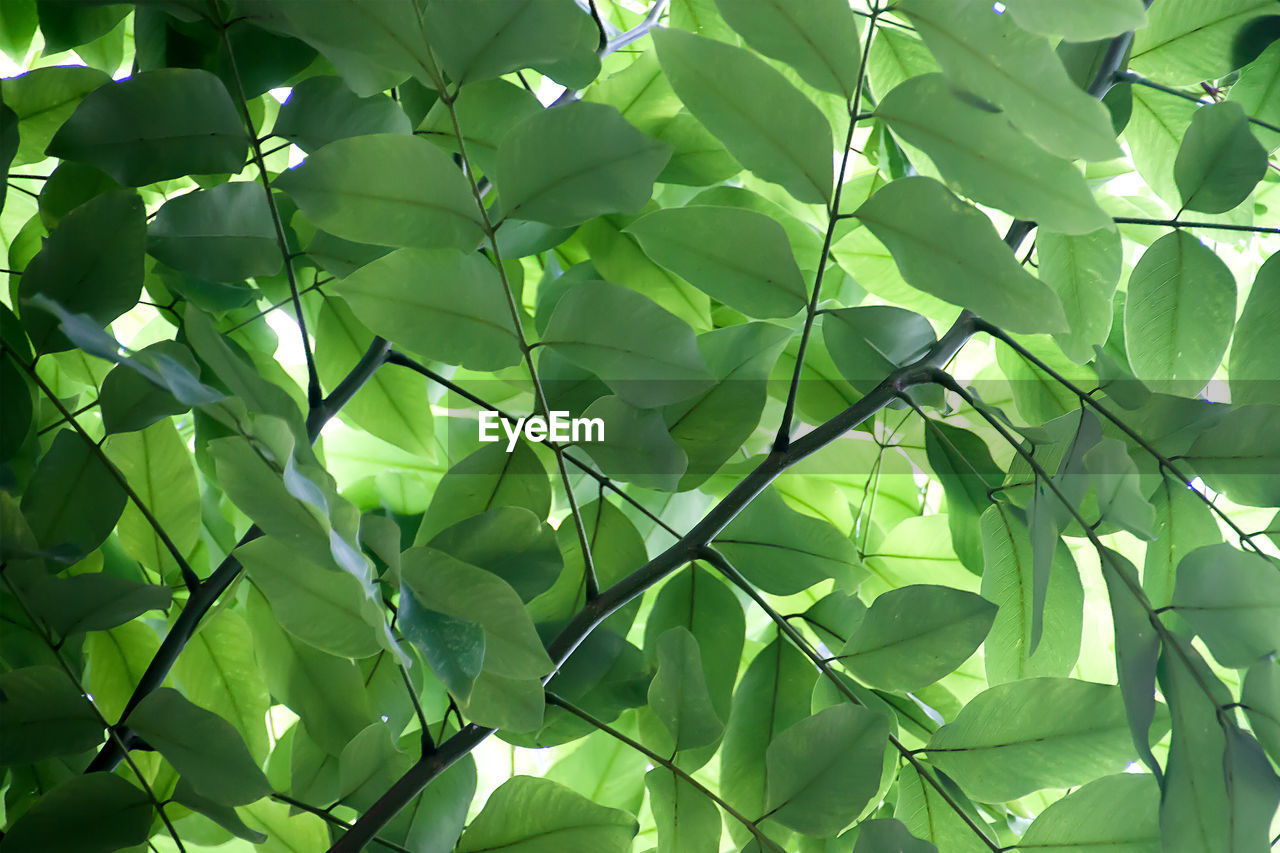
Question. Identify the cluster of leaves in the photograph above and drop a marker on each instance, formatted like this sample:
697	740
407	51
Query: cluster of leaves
901	535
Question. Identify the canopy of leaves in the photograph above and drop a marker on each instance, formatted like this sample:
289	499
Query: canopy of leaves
830	426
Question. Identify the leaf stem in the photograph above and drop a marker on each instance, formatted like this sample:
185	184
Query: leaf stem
1179	223
1134	77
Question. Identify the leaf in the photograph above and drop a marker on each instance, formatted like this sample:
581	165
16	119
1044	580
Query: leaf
959	136
202	746
949	250
818	39
218	672
1179	314
486	111
512	542
1035	733
74	501
1090	20
321	110
118	658
355	189
1260	699
1084	271
534	815
1220	161
323	607
1120	496
488	478
89	602
986	53
962	463
1116	812
678	693
687	820
636	448
221	234
369	765
764	121
1252	92
889	834
913	636
925	812
155	126
1253	349
868	343
737	256
565	166
449	586
43	715
1230	598
92	813
440	302
1239	456
479	43
823	769
91	264
453	648
1185	42
647	356
782	552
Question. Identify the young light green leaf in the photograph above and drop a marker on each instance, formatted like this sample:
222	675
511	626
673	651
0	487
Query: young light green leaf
356	189
764	121
647	356
218	672
532	815
1220	161
678	693
1084	271
740	257
155	126
1178	314
481	42
42	99
202	746
818	39
1186	41
959	136
1117	812
949	250
782	551
1084	20
220	234
1035	733
913	636
1231	598
442	303
988	53
567	165
687	820
823	769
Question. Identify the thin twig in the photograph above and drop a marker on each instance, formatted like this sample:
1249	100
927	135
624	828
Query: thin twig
1179	223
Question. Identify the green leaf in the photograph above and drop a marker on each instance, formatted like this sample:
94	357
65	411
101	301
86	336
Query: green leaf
986	53
1261	701
510	541
1220	161
321	110
1035	733
532	815
488	478
89	602
1090	20
1008	581
889	834
155	126
737	256
434	819
369	765
869	343
764	121
91	264
486	111
1120	496
118	658
949	250
566	165
356	189
9	140
1254	348
200	745
1183	523
928	815
453	648
481	42
647	356
1240	457
1186	41
1179	314
224	816
42	715
782	551
1231	598
1154	133
131	401
1084	271
73	501
442	303
42	100
1116	812
913	636
772	696
221	234
93	813
823	769
962	462
678	693
323	607
218	672
960	136
687	820
818	39
1253	92
636	448
462	591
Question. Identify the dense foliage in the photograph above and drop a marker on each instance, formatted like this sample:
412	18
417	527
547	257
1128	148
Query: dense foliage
902	535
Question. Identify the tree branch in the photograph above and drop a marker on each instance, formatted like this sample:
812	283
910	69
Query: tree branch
1134	77
1178	223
